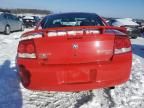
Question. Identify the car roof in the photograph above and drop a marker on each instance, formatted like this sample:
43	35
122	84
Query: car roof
3	13
28	17
125	21
72	13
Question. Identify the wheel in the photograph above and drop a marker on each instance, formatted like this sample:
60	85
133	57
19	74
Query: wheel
7	30
22	27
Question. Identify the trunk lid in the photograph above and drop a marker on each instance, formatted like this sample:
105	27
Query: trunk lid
75	49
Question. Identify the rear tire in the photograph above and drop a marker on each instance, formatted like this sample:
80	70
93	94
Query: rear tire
7	30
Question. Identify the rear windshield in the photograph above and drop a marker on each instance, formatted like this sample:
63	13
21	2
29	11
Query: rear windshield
71	19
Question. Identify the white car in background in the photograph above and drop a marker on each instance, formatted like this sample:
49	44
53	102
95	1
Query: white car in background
30	21
130	25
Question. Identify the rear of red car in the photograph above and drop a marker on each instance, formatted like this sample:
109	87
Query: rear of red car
74	58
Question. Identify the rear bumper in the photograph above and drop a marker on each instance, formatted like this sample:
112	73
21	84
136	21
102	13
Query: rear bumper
37	75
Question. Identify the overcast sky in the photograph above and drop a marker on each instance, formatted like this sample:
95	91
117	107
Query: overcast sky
108	8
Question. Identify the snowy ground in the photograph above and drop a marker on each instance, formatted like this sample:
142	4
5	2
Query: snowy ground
13	95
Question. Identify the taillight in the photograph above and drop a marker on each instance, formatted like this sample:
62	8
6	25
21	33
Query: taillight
122	45
30	48
26	49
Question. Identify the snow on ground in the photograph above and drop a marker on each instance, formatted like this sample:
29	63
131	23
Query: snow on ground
13	95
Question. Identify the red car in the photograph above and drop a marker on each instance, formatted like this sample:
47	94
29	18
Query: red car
74	52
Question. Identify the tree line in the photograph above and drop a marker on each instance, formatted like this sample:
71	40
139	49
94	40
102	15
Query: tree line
22	11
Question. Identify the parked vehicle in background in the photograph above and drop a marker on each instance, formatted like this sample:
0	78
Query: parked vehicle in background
131	26
74	52
30	21
141	27
10	23
36	20
20	18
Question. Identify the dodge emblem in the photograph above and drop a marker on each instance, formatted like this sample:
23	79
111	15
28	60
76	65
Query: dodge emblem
75	46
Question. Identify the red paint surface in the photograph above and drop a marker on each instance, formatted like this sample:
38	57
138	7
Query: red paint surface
92	64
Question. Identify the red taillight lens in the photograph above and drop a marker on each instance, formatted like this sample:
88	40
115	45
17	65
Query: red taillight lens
122	45
21	48
30	48
127	43
26	49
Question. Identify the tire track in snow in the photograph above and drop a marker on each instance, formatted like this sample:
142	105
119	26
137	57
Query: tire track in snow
127	95
131	94
55	99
